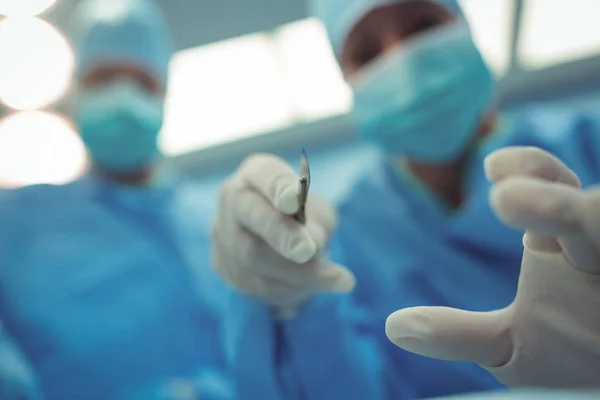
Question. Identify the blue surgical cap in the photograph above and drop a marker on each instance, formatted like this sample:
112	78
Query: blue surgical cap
340	16
131	31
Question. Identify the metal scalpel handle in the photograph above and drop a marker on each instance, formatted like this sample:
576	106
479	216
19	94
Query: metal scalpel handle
303	187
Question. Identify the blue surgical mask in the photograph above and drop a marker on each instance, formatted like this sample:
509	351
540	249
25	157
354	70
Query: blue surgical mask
119	125
426	98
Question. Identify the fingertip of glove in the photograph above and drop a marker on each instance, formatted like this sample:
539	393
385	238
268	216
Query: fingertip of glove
500	195
393	324
489	166
344	282
287	200
303	251
408	323
317	233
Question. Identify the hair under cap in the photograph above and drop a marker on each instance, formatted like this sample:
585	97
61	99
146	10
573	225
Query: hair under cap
340	16
132	31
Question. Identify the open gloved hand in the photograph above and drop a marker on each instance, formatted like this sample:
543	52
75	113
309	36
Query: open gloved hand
260	249
550	335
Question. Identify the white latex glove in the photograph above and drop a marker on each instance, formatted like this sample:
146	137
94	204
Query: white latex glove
550	335
260	249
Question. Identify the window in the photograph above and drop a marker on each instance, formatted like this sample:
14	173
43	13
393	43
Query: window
225	91
39	147
313	78
251	85
491	22
37	63
557	31
24	8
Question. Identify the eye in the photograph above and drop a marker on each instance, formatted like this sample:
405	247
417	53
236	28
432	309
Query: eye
366	53
97	78
421	16
423	23
148	84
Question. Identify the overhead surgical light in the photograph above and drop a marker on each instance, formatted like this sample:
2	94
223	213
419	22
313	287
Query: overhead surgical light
24	8
37	63
39	147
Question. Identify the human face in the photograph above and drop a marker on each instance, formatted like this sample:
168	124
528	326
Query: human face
421	88
386	27
119	113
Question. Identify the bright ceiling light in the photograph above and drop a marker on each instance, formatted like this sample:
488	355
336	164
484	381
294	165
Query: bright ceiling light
558	31
313	77
214	98
39	147
24	8
37	63
491	23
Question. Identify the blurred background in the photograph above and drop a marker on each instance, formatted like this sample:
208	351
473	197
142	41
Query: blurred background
258	75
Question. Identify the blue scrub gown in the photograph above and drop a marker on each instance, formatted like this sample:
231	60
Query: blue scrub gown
406	249
107	291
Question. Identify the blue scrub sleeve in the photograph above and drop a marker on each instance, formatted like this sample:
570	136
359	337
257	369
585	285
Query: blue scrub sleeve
325	352
251	340
336	338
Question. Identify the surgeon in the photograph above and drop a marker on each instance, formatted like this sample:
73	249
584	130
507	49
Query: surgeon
105	285
416	230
